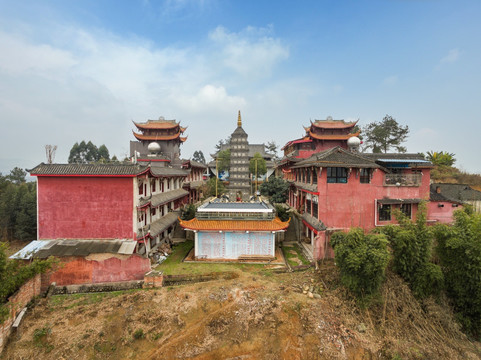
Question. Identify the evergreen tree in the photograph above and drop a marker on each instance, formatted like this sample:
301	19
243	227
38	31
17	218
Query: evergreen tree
384	135
199	157
276	189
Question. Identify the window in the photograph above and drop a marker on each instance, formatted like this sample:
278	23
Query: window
152	211
384	212
308	179
308	206
406	209
141	189
314	176
336	175
153	185
315	210
365	176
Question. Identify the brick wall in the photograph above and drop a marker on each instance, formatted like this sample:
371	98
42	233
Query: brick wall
16	303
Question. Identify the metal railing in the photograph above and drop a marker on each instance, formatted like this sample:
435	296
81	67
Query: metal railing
402	179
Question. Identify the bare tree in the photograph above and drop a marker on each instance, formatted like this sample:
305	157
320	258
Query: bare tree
50	152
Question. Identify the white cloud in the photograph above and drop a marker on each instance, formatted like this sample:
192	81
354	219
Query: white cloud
87	85
451	57
251	52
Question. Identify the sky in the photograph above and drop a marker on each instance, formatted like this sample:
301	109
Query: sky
84	70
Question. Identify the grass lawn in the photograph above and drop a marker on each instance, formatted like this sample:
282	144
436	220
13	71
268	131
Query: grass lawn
174	265
294	251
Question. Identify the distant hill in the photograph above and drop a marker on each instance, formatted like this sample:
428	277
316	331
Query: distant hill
452	175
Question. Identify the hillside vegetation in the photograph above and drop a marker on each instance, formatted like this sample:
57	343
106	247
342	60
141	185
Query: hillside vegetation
259	314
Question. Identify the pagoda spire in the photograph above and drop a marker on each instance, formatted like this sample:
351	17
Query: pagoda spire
239	120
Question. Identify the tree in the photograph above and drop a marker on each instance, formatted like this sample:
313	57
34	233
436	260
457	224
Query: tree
411	244
211	184
103	153
199	156
362	260
272	148
384	135
459	249
441	158
17	175
87	152
257	165
276	189
223	160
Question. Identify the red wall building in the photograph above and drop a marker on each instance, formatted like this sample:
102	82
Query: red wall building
85	207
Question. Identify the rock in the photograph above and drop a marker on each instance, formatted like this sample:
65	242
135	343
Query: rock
304	292
310	295
306	287
317	296
312	281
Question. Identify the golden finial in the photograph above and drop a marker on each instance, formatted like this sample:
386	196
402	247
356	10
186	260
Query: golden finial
239	120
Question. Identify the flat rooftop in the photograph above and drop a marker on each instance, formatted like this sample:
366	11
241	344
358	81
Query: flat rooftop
238	207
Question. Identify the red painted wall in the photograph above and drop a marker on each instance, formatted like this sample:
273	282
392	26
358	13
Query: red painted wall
78	270
443	214
353	204
85	207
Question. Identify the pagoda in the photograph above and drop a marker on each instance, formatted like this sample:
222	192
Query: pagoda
158	140
239	188
321	135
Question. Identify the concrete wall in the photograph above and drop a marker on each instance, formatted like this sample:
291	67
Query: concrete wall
85	207
101	268
16	303
353	204
441	214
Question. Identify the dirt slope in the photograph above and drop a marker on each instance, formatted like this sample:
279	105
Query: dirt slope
251	317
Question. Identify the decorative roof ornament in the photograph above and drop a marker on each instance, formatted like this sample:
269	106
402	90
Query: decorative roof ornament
239	120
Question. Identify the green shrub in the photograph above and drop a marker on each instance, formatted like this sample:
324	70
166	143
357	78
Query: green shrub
362	260
459	249
139	334
411	244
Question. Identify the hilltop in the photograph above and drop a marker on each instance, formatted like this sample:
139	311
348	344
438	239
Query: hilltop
257	314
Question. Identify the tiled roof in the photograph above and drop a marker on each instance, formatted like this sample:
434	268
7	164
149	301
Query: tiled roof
65	247
88	169
157	124
337	157
196	184
159	137
313	222
158	226
234	225
454	192
333	124
193	163
332	137
401	156
167	171
162	198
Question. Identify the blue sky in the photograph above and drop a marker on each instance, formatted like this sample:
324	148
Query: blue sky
83	70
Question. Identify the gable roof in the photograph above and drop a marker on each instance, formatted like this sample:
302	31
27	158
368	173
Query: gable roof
454	193
337	157
88	170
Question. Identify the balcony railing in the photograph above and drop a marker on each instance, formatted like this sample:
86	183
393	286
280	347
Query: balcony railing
402	179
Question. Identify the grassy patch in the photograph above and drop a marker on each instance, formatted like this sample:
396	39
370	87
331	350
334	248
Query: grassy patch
70	301
292	252
173	265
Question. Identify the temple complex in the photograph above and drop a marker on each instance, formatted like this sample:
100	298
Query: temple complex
321	135
158	141
235	231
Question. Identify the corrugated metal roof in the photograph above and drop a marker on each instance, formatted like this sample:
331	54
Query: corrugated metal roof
42	249
399	201
411	161
162	198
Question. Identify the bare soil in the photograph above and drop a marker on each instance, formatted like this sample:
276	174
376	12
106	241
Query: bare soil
300	315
